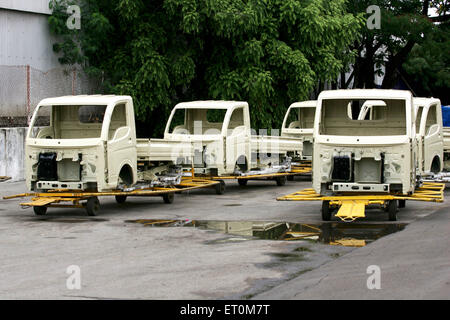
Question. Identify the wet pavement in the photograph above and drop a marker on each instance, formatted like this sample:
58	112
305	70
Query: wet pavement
203	246
338	233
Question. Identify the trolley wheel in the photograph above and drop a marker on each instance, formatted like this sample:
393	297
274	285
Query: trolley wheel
121	199
92	206
242	182
220	187
290	178
392	209
281	181
40	210
168	197
401	203
326	210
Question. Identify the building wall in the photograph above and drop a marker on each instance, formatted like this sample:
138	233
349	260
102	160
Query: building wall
25	46
25	37
29	72
36	6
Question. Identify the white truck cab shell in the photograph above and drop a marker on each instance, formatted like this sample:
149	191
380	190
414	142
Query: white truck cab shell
373	155
302	127
73	154
429	132
218	145
225	144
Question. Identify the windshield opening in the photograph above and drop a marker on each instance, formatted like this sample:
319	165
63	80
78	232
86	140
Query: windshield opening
68	122
360	117
197	121
300	118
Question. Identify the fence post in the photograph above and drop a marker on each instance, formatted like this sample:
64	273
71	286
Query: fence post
28	94
74	79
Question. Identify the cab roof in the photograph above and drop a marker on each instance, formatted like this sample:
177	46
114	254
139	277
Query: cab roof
304	104
211	104
365	94
424	101
96	99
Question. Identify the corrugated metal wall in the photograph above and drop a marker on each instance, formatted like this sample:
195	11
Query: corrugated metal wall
29	69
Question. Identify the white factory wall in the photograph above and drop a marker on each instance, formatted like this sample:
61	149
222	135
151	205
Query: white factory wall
12	150
29	72
25	37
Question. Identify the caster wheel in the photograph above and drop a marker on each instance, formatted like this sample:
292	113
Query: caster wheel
40	211
220	187
326	211
92	206
281	181
290	178
401	203
121	199
392	209
168	198
242	182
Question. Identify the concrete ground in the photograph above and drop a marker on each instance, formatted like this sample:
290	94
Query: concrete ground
118	259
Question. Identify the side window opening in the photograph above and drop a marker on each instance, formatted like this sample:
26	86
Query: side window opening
118	119
431	118
178	121
292	121
419	118
236	120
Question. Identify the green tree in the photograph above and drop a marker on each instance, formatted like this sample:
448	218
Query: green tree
427	67
267	52
405	25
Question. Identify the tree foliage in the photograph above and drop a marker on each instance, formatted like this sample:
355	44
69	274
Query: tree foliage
267	52
427	67
405	25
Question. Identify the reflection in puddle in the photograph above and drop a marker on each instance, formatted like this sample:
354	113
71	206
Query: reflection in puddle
342	234
69	220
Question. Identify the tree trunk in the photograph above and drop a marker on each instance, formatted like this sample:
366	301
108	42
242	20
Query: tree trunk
395	62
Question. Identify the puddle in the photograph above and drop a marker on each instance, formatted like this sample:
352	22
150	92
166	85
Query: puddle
69	220
336	233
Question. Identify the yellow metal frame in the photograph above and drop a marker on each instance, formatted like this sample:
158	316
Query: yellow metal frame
254	176
305	168
352	206
56	197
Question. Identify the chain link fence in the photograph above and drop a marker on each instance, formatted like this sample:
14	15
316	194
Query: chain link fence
22	87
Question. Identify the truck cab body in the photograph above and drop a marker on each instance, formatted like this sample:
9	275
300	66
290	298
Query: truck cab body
299	123
217	131
429	133
82	143
377	154
221	140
